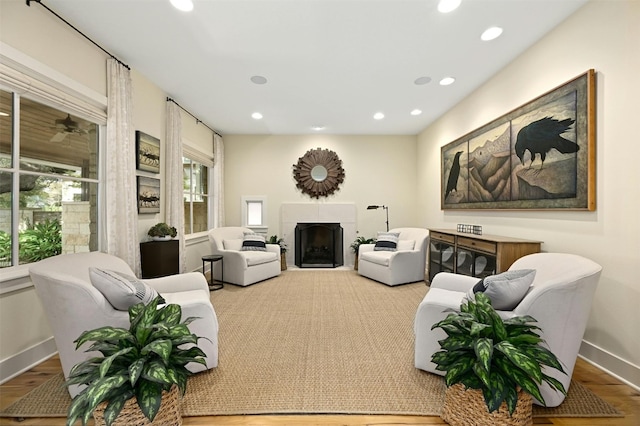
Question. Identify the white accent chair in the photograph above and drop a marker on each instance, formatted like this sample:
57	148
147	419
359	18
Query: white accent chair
73	305
559	299
242	268
405	265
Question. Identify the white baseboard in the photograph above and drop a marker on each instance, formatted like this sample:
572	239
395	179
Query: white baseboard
611	364
27	359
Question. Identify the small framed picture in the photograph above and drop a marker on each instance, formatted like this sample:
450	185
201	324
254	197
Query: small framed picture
148	195
148	152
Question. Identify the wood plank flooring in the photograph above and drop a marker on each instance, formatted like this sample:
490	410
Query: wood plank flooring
623	397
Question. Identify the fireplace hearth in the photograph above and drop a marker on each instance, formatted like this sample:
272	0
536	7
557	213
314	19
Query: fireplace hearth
319	245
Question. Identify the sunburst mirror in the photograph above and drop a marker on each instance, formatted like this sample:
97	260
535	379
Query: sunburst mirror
319	172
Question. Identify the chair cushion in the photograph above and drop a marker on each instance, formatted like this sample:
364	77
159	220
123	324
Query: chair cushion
379	257
235	245
387	241
121	290
505	290
253	242
406	245
259	257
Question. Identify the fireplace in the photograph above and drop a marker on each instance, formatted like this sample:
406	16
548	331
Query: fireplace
319	245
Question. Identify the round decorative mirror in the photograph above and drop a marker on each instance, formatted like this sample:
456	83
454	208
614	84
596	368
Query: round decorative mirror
318	173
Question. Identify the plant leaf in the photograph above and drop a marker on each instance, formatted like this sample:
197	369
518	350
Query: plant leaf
98	390
135	370
106	363
496	393
170	314
161	347
149	395
102	334
544	357
459	341
77	408
146	318
456	370
521	360
114	408
554	383
156	372
483	349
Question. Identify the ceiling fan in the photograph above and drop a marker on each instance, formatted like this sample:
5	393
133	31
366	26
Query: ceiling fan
66	126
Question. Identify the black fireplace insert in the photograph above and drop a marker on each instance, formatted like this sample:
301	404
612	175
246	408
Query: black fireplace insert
319	245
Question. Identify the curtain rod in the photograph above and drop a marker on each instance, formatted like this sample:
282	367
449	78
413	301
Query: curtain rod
198	121
78	31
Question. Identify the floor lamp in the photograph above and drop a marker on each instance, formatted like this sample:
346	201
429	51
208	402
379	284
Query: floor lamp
381	207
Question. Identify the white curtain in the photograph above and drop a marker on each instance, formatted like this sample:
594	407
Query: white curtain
121	222
218	181
174	177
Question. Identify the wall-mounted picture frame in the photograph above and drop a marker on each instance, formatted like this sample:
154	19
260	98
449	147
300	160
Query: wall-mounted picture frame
147	152
148	195
538	156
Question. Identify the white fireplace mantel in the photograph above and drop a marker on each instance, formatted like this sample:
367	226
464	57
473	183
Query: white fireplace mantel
343	213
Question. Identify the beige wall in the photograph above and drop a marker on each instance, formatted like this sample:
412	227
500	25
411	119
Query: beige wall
378	170
604	35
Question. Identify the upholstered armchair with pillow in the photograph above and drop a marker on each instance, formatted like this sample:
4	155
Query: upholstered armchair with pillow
84	291
247	259
399	256
554	288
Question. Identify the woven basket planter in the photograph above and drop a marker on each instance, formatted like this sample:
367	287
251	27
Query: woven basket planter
131	415
466	407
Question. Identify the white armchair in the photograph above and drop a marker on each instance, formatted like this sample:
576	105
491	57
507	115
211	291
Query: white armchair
559	299
405	265
73	305
242	267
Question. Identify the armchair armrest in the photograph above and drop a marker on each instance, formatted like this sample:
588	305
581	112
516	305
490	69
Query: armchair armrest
365	248
274	248
453	282
179	282
405	259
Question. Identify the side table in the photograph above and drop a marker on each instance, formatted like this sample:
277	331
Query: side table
212	258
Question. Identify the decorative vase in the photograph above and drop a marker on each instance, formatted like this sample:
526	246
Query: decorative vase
283	261
161	238
131	415
355	263
464	406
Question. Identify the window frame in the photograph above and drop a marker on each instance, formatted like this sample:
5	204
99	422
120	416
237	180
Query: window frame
262	200
197	156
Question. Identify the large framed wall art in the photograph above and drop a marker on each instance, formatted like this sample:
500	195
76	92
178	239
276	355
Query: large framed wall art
538	156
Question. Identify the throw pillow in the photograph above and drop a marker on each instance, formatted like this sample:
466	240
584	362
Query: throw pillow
121	290
505	290
253	242
387	241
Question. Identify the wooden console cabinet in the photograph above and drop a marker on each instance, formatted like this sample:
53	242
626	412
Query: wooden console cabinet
474	255
159	258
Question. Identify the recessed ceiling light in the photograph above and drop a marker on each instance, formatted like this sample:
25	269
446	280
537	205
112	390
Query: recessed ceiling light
422	80
446	6
183	5
258	79
378	116
256	116
447	81
317	128
416	112
491	33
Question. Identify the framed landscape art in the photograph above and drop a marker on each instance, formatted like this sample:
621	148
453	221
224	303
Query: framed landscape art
148	195
147	152
538	156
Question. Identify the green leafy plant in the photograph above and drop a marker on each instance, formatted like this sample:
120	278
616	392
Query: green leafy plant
143	361
5	249
280	241
496	356
162	230
40	241
355	245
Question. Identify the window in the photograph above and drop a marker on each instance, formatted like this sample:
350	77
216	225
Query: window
196	196
48	181
254	213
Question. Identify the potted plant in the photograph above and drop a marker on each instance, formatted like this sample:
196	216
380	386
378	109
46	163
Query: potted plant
162	232
355	247
283	250
498	361
141	371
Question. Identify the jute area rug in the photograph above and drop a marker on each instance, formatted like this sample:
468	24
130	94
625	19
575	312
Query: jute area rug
314	342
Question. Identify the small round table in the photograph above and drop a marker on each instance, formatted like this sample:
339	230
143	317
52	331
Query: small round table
212	258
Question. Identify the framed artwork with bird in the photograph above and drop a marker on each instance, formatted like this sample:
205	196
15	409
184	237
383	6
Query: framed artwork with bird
538	156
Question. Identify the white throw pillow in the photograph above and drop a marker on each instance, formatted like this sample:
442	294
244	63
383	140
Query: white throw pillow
406	244
121	290
505	290
233	244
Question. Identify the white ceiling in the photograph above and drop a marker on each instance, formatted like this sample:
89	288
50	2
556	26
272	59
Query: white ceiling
328	62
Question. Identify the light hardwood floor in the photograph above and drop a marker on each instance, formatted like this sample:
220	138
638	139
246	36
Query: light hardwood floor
623	397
